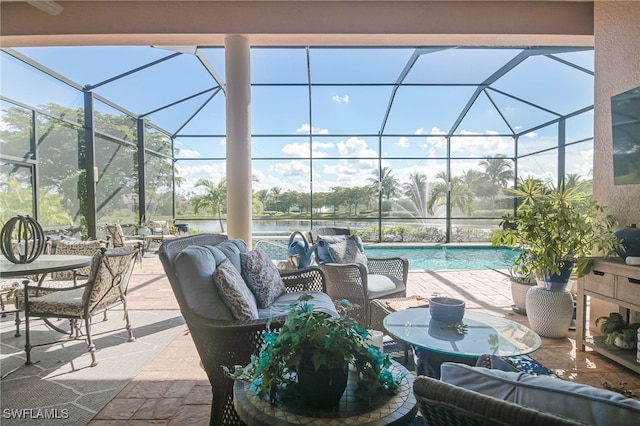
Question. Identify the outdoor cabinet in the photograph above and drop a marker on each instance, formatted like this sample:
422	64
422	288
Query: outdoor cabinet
613	281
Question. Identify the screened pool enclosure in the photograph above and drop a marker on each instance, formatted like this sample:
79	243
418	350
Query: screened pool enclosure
402	144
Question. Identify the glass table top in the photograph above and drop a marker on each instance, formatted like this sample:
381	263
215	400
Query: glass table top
485	334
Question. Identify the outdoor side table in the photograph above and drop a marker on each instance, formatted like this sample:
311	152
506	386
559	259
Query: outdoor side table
380	308
398	409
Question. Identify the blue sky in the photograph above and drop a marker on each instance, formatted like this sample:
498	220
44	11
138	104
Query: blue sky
346	117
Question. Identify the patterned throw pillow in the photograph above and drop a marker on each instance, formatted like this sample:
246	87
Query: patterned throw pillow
234	291
322	247
348	251
262	277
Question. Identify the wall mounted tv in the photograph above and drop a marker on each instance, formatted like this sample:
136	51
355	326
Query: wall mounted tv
625	118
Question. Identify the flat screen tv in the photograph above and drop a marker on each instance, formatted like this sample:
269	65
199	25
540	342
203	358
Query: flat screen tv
625	118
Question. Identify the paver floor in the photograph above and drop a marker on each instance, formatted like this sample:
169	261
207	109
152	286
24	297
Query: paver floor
174	390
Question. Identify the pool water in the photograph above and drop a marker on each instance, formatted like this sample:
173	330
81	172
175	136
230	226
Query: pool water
449	257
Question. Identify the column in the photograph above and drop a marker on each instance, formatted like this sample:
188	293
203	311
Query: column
238	92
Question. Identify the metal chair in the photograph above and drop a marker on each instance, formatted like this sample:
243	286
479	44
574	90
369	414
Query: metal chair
117	238
351	280
106	287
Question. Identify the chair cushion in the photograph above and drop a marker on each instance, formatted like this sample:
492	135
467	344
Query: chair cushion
59	302
379	283
349	250
262	277
86	248
235	293
196	265
562	398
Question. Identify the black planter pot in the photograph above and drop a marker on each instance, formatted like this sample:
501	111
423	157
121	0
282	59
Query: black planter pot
322	388
563	276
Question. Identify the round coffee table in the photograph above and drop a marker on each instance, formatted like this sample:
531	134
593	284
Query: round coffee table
398	409
439	342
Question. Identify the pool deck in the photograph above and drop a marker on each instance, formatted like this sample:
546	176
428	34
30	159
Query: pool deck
173	389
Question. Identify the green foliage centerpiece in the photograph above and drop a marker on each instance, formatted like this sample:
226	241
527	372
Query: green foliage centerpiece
314	339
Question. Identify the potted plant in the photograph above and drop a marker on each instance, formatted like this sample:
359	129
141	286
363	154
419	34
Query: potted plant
311	343
557	228
617	331
520	284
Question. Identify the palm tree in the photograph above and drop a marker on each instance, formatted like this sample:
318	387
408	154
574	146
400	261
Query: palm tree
499	172
462	197
214	198
416	191
388	184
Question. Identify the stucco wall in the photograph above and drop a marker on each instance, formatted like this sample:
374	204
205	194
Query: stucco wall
617	69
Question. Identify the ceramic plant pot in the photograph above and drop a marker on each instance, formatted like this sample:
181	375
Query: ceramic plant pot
623	344
630	236
519	296
322	388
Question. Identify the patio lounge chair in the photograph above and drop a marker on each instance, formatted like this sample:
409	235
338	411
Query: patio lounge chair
380	278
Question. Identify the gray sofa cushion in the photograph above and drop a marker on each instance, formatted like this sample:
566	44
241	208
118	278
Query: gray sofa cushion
231	250
563	398
196	264
280	306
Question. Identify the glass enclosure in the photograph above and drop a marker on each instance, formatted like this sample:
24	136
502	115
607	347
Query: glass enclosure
400	144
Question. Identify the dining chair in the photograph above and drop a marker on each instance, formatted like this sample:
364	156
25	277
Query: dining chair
117	238
106	288
379	278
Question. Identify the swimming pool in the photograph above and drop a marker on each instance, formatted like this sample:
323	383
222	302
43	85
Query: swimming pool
448	257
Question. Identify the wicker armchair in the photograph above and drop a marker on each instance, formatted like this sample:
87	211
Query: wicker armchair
351	281
225	342
444	404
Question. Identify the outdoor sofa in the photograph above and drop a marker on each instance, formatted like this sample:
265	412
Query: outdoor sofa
192	264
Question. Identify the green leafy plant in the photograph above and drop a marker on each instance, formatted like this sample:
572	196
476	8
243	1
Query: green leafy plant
554	224
615	326
309	336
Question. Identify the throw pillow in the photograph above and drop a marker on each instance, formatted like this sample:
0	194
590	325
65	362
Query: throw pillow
348	251
322	247
262	277
235	292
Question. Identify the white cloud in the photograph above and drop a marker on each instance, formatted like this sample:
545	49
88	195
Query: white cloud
289	175
474	142
340	99
354	147
531	135
193	173
403	142
316	130
296	150
189	153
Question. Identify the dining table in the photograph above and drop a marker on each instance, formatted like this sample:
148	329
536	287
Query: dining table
43	265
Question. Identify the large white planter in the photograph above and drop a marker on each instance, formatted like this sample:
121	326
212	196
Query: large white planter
549	312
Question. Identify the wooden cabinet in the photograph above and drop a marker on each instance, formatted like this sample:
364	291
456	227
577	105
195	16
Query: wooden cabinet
616	282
